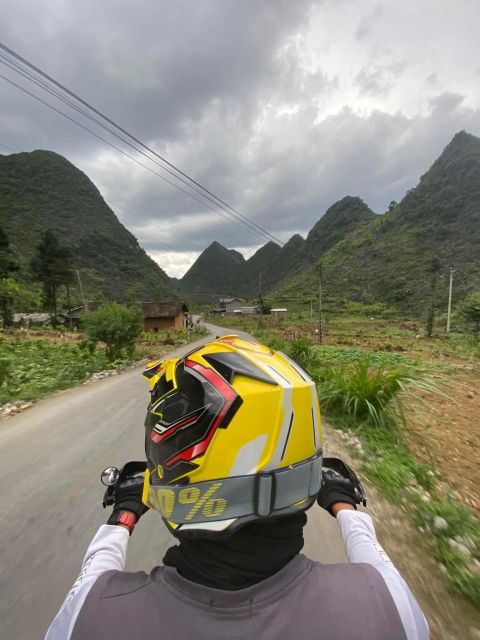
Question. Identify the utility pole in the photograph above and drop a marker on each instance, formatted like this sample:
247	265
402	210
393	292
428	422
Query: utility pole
260	292
449	311
320	307
82	295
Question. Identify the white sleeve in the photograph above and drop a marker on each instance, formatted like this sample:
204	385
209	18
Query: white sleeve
361	545
107	551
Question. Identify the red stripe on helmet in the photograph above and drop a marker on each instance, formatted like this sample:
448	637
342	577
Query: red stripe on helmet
228	395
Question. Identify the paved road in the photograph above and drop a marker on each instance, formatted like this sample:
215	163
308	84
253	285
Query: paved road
51	457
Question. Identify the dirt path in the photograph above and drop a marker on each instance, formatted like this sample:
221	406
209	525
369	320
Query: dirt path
446	431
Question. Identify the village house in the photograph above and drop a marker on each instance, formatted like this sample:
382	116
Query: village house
170	314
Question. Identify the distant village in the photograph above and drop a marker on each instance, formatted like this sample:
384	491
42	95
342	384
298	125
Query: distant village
157	316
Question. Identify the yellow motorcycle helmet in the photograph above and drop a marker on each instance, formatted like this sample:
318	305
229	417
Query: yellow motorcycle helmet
233	434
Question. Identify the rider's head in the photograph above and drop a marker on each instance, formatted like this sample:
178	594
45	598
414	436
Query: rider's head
233	434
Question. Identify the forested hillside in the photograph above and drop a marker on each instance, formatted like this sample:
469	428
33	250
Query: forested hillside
390	258
42	190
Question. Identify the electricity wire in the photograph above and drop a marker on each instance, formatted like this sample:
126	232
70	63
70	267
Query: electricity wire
43	85
193	184
107	142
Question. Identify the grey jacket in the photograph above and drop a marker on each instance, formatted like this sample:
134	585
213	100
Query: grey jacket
305	600
303	596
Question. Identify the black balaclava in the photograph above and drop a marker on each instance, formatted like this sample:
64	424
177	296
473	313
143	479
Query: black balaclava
240	560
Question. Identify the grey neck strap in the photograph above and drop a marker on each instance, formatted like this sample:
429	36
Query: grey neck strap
262	494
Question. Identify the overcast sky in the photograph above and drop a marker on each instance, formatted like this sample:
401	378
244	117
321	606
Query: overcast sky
280	107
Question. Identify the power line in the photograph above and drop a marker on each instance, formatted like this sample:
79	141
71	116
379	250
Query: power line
132	137
217	201
15	67
43	85
150	221
110	144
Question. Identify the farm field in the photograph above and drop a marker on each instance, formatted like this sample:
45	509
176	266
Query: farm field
407	406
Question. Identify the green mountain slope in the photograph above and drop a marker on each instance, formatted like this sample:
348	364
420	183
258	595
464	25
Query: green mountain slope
290	260
247	282
339	220
215	271
298	255
275	264
42	190
388	258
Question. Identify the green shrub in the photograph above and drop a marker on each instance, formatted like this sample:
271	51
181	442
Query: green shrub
369	394
302	351
115	325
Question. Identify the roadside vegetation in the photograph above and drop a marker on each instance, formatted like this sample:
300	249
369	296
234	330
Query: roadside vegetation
375	378
31	368
37	363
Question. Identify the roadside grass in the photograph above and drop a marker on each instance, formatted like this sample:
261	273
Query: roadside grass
457	545
374	403
368	394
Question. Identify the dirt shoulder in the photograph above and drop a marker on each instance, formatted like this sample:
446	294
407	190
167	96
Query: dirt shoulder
446	431
450	616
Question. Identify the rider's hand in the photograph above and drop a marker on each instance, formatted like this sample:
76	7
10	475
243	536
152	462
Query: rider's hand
336	489
128	497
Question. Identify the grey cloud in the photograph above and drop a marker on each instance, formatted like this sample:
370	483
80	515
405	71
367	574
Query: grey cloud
154	68
366	24
299	169
217	87
379	79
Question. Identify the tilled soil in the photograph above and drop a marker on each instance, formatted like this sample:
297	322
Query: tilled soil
446	432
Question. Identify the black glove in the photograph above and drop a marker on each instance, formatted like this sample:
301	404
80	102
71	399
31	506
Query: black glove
128	497
335	489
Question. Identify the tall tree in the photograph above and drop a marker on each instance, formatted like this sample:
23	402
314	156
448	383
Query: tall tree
52	266
8	266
